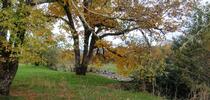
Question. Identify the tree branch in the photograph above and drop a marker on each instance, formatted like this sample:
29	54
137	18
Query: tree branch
118	33
53	16
109	17
74	34
115	53
38	2
146	39
82	18
161	30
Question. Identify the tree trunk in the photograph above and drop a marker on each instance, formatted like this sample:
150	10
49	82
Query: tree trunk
8	69
81	70
8	66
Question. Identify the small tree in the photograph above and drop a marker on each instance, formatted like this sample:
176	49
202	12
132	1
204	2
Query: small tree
17	19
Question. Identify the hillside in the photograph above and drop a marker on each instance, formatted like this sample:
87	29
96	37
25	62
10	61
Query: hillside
40	83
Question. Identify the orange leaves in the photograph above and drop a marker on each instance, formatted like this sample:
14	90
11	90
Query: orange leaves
56	9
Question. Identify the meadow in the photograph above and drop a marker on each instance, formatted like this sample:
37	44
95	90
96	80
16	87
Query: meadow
41	83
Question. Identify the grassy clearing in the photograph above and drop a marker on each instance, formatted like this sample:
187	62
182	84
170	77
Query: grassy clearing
40	83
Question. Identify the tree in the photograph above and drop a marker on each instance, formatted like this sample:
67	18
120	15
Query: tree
8	63
94	20
188	64
17	20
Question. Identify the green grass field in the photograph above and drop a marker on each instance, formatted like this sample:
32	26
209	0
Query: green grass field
40	83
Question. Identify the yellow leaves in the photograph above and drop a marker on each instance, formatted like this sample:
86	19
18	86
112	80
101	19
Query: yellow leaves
149	19
66	56
132	58
99	4
99	20
56	9
97	12
102	43
41	32
97	61
125	65
124	59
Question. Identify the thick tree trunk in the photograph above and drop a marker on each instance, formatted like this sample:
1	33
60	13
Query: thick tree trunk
80	64
8	57
87	56
81	70
8	70
8	65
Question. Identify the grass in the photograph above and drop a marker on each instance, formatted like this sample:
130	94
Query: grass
40	83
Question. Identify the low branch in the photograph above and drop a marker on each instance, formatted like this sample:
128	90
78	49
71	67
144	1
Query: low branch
125	55
115	53
118	33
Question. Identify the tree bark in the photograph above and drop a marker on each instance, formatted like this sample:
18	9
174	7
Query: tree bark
81	70
8	69
8	64
81	62
87	56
